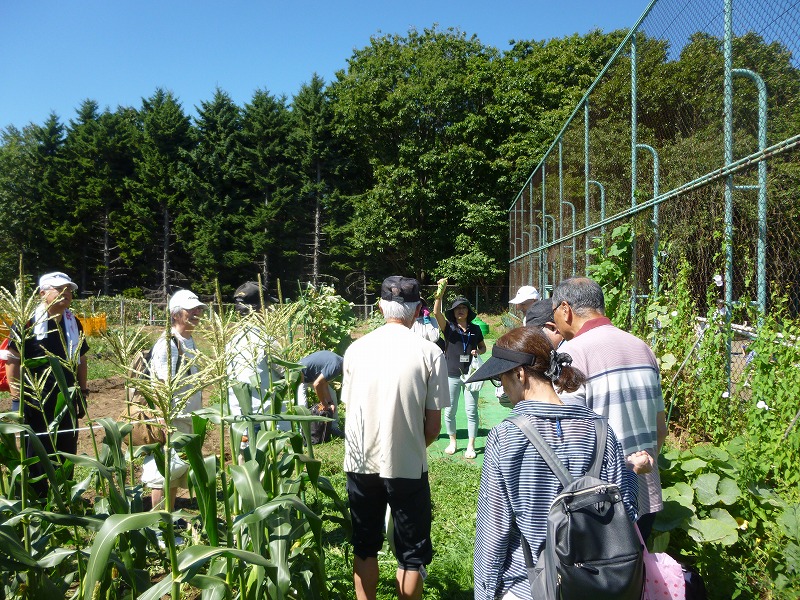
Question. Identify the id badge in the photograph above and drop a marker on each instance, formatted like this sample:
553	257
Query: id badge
465	358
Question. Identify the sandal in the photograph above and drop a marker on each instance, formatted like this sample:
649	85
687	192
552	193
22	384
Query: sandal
469	453
451	449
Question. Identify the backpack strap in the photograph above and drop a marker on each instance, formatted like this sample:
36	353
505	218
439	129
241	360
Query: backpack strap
601	433
544	449
179	346
550	457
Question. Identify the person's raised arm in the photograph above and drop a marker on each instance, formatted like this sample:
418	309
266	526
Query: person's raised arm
437	304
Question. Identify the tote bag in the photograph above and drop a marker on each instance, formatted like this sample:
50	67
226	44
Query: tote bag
474	365
663	576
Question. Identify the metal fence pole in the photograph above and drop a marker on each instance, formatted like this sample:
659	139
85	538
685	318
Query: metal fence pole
633	166
727	53
560	207
602	206
654	288
572	233
586	179
545	269
761	259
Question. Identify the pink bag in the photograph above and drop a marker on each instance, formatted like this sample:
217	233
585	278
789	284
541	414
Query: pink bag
663	576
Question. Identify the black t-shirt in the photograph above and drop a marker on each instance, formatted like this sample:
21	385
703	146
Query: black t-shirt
460	345
51	343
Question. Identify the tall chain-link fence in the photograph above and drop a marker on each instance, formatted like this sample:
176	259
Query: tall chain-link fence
691	134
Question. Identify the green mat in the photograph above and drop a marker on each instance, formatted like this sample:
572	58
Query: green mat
490	413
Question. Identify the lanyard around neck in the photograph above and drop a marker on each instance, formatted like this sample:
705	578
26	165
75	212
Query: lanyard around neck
464	342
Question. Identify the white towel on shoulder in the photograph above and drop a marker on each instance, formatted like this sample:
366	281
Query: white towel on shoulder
69	323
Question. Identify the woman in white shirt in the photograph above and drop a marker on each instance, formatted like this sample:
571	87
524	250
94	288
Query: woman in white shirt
185	310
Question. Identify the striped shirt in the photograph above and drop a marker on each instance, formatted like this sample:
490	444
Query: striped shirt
517	488
623	383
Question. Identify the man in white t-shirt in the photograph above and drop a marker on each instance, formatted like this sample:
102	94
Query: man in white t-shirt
394	387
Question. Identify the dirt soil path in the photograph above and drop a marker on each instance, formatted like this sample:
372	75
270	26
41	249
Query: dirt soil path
107	399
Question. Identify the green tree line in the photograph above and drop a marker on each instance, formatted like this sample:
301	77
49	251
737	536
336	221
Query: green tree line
406	162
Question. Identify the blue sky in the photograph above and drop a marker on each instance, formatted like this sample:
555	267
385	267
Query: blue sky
56	53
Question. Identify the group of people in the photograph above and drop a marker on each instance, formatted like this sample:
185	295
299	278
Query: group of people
566	367
54	331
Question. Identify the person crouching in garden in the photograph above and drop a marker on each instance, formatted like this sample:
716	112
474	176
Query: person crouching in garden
185	310
463	341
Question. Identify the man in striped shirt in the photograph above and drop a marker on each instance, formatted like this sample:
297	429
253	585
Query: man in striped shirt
623	381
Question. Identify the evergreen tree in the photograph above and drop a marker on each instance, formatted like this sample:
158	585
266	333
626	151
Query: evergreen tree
212	222
272	184
157	190
92	190
312	144
29	172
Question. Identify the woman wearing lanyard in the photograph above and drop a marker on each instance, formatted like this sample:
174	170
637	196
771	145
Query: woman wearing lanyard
463	340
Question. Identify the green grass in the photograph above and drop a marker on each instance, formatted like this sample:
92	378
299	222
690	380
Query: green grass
454	492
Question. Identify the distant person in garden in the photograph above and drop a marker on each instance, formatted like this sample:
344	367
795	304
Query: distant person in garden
463	341
424	325
53	330
249	351
185	310
524	299
540	315
623	382
394	387
319	370
517	487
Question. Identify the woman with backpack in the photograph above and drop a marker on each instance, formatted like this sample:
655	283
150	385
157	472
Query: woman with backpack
185	310
517	486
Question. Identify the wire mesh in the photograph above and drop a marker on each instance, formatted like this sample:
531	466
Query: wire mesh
691	133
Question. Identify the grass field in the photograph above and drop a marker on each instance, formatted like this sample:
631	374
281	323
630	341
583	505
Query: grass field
454	491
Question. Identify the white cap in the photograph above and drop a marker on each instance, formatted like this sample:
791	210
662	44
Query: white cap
49	281
185	299
524	294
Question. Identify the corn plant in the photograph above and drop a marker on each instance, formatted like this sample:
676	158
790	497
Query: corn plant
263	540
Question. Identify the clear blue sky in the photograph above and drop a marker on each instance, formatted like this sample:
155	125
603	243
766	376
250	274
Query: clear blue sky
56	53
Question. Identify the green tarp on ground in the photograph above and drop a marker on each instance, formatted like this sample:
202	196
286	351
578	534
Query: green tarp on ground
490	413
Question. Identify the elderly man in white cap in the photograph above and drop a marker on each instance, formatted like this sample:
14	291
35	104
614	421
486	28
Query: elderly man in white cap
55	331
185	310
526	296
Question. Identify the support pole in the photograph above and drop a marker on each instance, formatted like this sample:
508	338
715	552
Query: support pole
727	48
761	251
654	283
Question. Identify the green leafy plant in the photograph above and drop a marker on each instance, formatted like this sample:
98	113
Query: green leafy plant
611	268
326	320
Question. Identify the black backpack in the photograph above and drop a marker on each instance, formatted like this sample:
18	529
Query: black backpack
592	551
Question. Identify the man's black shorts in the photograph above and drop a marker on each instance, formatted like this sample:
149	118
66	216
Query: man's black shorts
410	501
